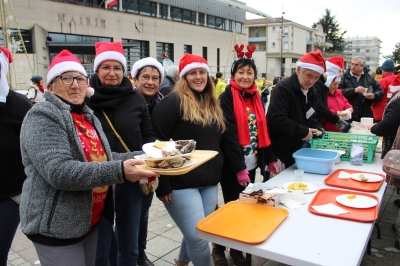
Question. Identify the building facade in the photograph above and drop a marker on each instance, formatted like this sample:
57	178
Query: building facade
146	28
281	43
367	47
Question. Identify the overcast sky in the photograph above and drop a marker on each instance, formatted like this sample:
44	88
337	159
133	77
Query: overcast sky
358	17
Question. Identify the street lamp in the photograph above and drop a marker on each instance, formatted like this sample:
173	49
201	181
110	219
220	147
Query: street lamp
282	36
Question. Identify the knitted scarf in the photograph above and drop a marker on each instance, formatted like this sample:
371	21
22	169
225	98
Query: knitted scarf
240	112
109	97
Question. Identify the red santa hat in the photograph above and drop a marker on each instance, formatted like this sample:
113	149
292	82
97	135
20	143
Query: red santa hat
64	62
395	85
333	67
192	61
109	51
313	60
148	61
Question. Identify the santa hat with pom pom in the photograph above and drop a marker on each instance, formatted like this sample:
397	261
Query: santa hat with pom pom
64	62
5	59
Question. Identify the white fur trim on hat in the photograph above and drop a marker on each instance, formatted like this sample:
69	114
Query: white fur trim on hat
333	71
109	55
148	61
311	66
194	65
63	67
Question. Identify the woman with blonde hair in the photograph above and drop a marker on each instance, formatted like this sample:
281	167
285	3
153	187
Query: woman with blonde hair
191	111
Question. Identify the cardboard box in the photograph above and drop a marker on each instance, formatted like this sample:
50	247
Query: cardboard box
266	199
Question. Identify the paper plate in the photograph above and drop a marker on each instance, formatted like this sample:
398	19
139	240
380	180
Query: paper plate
311	187
361	202
371	177
156	153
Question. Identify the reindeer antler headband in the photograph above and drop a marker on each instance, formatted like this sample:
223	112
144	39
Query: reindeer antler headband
242	55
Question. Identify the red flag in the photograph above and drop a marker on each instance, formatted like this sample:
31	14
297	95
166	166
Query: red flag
111	3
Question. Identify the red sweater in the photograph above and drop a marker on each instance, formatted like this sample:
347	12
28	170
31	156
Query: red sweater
336	102
379	107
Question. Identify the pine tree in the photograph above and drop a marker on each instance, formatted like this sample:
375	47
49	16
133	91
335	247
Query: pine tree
333	32
395	55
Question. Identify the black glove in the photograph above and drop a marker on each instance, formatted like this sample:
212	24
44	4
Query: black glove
319	134
341	123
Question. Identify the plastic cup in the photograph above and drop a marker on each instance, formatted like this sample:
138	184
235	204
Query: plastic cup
298	175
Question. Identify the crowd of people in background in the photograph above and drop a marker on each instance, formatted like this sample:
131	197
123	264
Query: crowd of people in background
69	176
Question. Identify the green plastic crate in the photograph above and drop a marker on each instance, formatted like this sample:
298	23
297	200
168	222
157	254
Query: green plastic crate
344	141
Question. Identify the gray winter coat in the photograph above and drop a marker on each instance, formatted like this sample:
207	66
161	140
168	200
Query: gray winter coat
56	198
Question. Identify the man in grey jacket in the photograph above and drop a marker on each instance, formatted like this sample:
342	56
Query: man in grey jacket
360	88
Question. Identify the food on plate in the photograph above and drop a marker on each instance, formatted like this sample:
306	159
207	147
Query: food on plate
363	178
166	151
298	186
185	146
165	164
160	144
351	196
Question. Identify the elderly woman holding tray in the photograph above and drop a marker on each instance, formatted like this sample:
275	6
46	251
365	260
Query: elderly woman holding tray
191	111
70	169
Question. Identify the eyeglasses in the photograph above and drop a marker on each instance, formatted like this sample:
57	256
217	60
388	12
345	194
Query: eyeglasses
107	69
194	73
146	78
68	80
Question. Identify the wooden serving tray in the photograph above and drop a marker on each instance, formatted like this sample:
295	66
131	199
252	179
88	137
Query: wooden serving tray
334	181
201	156
326	195
242	221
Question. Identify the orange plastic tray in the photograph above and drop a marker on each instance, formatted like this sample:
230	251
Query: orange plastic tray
326	195
234	219
334	181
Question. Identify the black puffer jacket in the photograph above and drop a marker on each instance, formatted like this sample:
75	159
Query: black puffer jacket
12	171
286	118
348	87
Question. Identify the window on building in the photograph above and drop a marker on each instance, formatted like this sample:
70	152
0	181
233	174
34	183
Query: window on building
367	58
187	49
146	8
183	15
230	28
215	22
286	31
286	46
163	11
273	28
238	27
201	19
205	53
26	40
135	50
257	32
273	44
357	50
164	47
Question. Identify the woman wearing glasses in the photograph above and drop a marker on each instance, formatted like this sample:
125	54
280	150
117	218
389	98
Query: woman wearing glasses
69	167
191	111
116	103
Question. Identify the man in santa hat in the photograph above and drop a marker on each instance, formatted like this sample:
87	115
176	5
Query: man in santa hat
291	113
333	67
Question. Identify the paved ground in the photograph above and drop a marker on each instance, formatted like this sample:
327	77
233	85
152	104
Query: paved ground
164	239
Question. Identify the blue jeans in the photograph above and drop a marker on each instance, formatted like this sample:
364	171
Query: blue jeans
106	253
9	213
189	206
131	219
